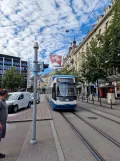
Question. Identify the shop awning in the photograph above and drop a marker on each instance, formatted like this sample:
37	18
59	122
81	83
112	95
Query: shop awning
114	77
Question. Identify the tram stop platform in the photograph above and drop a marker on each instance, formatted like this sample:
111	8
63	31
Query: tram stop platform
17	145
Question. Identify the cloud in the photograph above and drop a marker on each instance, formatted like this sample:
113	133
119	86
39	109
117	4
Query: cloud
23	22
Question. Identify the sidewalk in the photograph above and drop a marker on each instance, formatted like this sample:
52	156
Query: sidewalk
17	145
102	103
115	112
43	113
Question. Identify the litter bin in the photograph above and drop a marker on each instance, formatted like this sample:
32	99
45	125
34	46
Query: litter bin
111	97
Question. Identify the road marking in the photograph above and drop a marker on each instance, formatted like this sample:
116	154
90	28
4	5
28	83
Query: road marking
57	143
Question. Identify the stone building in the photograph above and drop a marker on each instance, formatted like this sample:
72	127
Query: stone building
75	57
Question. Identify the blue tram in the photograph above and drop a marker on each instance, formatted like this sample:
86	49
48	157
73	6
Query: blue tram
61	92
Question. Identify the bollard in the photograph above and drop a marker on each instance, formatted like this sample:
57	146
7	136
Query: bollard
87	99
82	98
111	103
100	102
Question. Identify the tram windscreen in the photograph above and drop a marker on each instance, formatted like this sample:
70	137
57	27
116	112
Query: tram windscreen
66	89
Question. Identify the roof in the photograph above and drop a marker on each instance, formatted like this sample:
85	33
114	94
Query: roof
9	56
62	76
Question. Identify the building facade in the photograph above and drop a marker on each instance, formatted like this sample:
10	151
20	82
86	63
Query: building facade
6	62
75	56
76	53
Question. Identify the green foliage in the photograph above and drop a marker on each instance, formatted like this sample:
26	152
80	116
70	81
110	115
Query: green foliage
65	71
99	59
12	79
93	66
62	72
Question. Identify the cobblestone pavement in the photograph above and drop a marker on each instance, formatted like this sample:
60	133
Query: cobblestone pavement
43	113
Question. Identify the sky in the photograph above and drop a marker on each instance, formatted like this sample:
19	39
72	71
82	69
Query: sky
24	22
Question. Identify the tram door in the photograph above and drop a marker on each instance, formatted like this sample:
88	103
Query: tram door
54	91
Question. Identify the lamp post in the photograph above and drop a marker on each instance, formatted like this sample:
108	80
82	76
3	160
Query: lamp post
36	47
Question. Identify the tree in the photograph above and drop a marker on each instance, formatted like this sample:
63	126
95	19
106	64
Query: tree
93	66
104	58
13	79
112	39
65	71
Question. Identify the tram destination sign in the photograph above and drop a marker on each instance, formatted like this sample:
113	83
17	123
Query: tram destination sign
68	80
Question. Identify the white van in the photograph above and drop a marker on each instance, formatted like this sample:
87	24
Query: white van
18	100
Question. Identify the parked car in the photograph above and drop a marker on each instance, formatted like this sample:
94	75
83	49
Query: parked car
38	97
18	100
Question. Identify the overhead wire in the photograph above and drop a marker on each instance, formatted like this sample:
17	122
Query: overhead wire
6	5
90	14
39	8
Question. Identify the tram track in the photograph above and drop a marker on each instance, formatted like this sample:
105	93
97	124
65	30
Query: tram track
92	145
101	114
102	111
99	131
94	152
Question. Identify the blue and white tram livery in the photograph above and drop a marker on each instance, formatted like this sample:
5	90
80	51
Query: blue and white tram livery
61	92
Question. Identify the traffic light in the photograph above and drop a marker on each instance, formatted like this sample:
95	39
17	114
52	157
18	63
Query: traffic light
43	66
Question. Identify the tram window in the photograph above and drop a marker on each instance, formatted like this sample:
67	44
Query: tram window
54	91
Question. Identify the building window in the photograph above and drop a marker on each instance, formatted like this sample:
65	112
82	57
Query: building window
7	67
8	62
99	43
106	24
1	71
100	32
82	49
16	63
87	45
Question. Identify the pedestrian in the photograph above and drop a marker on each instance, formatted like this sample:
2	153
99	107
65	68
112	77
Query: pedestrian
3	115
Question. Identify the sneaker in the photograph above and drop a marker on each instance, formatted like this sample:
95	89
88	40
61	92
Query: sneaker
2	155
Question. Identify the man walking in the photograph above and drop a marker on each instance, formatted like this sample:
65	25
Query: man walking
3	116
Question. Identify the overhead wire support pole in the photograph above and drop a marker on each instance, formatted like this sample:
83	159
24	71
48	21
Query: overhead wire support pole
34	141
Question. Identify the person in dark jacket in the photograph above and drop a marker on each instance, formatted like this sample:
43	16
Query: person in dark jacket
3	115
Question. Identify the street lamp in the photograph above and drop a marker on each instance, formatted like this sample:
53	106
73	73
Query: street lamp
36	47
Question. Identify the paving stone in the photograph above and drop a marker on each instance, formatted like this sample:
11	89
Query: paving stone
43	113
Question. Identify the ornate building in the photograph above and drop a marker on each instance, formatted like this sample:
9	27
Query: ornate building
75	57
